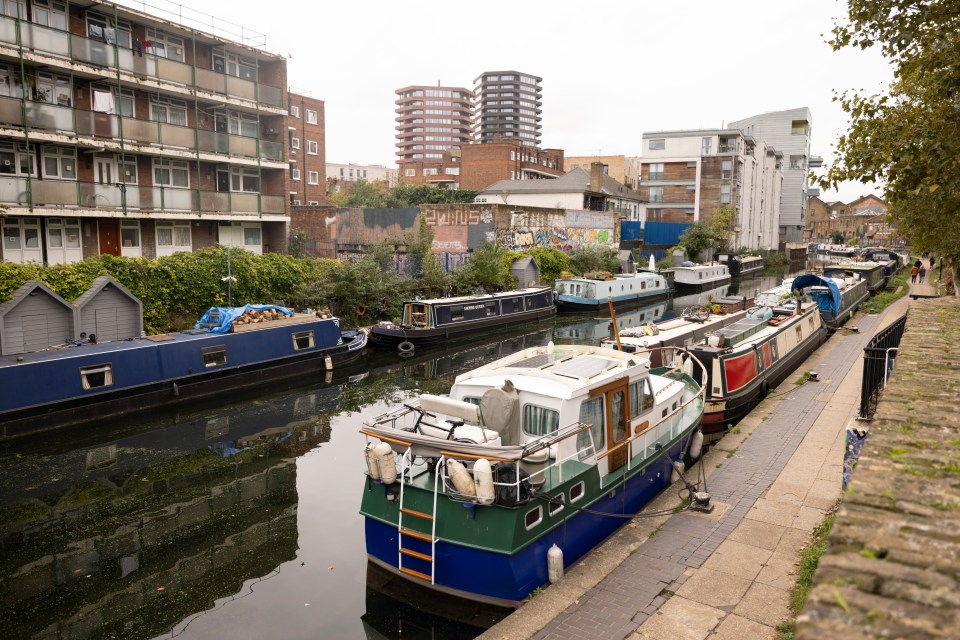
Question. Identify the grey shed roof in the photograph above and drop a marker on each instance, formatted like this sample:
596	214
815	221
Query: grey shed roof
99	284
523	263
29	287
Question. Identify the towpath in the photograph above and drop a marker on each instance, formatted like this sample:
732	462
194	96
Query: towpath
728	574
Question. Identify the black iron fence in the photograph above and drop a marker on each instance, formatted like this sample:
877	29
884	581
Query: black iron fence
878	360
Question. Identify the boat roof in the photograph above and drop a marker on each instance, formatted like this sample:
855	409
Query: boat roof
640	275
702	266
478	298
673	328
560	371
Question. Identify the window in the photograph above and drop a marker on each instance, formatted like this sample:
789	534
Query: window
96	376
295	111
242	179
577	491
130	234
533	517
706	144
21	233
312	147
234	65
641	397
124	101
53	89
214	356
657	143
294	143
725	168
797	162
313	203
163	109
592	413
452	171
555	508
409	172
14	8
540	421
171	173
313	177
311	116
50	14
303	340
655	171
60	163
165	45
430	172
724	194
63	232
242	124
456	313
655	194
174	234
13	160
798	128
294	174
251	236
108	30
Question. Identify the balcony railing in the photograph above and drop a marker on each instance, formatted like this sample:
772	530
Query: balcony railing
89	195
101	54
51	117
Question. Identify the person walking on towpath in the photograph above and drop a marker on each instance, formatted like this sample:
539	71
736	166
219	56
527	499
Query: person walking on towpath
923	272
914	270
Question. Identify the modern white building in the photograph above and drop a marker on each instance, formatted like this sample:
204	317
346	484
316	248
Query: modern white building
789	132
686	176
356	172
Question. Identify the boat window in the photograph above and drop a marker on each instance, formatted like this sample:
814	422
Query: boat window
540	421
555	507
616	416
214	356
303	340
799	333
592	413
576	492
97	376
533	517
810	322
418	315
657	283
773	351
641	398
664	414
674	406
643	285
456	313
491	308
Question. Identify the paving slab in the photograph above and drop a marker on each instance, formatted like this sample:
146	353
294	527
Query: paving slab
735	627
759	534
764	604
714	588
680	619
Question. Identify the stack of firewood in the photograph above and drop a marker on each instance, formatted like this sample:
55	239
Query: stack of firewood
251	316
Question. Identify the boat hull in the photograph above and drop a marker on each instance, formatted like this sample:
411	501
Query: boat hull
571	304
393	336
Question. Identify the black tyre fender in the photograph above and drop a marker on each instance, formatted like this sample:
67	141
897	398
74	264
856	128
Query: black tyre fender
405	348
764	388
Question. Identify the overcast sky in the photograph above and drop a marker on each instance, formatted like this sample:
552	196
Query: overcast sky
611	70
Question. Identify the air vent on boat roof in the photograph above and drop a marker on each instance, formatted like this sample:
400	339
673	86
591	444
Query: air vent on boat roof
584	367
541	360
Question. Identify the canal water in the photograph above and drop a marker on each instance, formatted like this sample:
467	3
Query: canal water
238	518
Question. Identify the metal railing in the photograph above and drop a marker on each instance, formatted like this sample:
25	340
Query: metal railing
879	357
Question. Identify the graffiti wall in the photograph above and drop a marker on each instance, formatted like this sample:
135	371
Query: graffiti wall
567	230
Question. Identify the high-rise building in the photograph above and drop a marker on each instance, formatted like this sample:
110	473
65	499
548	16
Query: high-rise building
508	107
788	132
431	121
129	134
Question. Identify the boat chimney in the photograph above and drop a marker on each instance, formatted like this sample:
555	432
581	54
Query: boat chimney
653	263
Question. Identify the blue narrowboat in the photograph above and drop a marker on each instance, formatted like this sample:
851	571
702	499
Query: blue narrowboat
592	291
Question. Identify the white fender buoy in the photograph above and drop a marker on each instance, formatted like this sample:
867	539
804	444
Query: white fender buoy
461	479
483	476
373	467
678	469
696	445
384	457
688	367
554	563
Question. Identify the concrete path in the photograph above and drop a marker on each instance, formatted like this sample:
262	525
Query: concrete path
727	574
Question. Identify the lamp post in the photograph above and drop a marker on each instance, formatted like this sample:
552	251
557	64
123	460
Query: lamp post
229	279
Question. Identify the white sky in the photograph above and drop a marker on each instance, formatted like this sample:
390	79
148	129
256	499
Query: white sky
611	70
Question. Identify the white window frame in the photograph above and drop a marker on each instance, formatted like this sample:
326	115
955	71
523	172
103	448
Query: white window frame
312	117
724	194
314	203
409	172
135	234
312	147
294	111
243	179
171	167
65	161
165	45
162	108
313	177
657	144
294	174
243	124
179	229
294	143
53	11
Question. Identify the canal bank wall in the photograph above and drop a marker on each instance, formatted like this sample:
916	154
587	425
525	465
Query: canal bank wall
727	574
892	569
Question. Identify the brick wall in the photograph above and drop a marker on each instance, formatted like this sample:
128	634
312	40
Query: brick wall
301	158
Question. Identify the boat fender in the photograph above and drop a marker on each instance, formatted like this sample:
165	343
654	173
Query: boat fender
385	463
405	348
461	479
764	388
696	445
176	390
373	467
483	476
554	563
361	309
328	363
678	469
688	367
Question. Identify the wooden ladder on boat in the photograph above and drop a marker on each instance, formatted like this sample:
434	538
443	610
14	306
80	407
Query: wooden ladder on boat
405	532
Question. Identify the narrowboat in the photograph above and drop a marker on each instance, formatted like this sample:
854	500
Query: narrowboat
745	359
593	291
88	381
741	266
837	298
531	459
693	277
428	322
890	260
873	273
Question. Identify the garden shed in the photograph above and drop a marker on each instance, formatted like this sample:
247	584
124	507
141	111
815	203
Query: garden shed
526	271
108	311
627	264
35	318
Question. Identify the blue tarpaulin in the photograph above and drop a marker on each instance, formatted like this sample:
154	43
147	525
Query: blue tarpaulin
663	233
219	319
631	230
829	299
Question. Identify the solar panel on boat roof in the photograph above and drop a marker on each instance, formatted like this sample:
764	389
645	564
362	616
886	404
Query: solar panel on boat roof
739	327
583	367
541	360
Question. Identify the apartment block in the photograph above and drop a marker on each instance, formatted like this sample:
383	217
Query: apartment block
508	107
623	169
128	134
431	121
306	151
686	176
790	133
355	172
477	166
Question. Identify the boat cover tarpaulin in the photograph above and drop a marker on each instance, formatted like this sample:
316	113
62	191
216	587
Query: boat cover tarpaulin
227	315
831	302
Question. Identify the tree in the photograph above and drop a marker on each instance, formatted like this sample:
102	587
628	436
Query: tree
297	244
594	257
373	195
696	239
907	137
488	268
414	195
721	226
433	280
836	237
